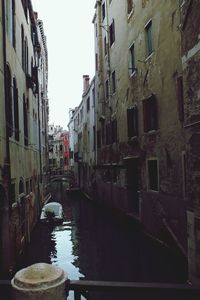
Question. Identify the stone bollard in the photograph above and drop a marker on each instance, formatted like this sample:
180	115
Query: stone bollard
40	281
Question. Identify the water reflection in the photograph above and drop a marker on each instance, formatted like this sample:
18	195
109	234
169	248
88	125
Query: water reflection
94	245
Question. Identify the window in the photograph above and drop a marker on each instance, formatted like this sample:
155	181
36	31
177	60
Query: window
88	104
9	107
23	52
107	89
149	40
153	174
132	121
113	82
103	11
112	32
27	187
96	61
26	56
93	97
13	24
21	186
132	68
25	112
129	6
105	46
150	114
16	110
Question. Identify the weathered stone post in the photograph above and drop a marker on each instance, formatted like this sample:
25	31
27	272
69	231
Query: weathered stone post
40	281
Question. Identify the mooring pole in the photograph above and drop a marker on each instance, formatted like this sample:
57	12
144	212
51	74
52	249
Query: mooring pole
40	281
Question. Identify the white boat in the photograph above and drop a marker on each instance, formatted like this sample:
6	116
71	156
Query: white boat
52	212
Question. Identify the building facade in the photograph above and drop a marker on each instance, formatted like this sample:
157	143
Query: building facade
139	159
82	134
189	101
146	119
22	158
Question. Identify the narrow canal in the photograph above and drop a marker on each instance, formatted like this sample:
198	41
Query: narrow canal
94	244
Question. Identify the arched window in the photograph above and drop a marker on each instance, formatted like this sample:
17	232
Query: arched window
16	110
21	186
9	118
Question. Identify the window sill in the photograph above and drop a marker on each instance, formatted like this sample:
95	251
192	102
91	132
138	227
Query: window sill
133	74
152	132
148	57
111	46
129	15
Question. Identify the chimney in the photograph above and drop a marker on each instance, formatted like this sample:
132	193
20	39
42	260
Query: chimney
86	82
35	15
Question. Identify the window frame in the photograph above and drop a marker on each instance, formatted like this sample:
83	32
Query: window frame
113	77
149	38
132	122
150	114
132	65
112	32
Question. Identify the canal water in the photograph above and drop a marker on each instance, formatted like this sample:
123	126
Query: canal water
95	244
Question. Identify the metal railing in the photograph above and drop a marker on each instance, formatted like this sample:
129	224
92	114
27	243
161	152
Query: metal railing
133	290
123	290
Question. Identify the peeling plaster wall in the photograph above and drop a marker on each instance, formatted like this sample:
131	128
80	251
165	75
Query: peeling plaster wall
156	75
191	84
24	160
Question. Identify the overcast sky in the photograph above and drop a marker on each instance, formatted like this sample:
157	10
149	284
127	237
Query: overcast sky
70	40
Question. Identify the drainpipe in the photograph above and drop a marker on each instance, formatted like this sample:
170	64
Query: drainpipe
6	172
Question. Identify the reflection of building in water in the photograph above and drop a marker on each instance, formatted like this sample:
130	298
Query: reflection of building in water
42	247
111	250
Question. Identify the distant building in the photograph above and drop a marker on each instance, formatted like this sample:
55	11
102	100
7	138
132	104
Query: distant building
82	131
65	137
58	150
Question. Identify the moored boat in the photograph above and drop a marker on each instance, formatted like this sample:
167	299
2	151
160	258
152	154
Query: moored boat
52	212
